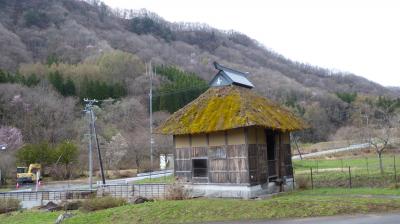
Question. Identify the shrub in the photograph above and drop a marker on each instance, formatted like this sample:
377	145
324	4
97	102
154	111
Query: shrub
95	204
72	205
302	182
9	205
177	192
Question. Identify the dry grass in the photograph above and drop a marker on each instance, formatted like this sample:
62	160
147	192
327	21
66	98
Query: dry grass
176	191
95	204
302	182
9	205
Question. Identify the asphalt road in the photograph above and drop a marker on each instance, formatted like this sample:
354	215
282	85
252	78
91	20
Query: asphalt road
350	219
84	186
333	151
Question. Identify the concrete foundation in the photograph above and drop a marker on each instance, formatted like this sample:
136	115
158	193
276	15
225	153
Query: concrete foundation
231	191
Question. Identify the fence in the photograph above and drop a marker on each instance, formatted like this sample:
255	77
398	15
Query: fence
156	191
48	195
360	172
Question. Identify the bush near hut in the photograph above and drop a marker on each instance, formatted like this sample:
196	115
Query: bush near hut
9	205
177	192
302	182
95	204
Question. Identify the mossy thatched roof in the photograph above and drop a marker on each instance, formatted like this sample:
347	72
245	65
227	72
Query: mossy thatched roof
223	108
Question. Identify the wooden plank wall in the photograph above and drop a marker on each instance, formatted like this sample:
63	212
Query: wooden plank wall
258	164
229	169
183	164
239	164
228	165
288	170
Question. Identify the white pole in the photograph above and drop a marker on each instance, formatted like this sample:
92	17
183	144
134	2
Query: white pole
37	179
90	153
151	118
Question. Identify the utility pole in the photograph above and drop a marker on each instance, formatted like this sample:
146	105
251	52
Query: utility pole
151	117
88	109
90	136
92	128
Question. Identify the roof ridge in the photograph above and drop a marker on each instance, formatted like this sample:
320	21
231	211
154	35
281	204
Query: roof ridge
222	68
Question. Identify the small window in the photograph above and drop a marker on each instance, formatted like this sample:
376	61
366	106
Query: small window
21	170
219	153
271	150
199	167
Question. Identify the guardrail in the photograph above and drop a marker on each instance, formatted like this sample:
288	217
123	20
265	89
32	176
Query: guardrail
48	195
150	190
156	191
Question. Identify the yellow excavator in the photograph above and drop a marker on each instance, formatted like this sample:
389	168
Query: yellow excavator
28	175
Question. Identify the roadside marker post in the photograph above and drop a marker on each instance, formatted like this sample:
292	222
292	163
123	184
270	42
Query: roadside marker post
395	171
349	177
312	181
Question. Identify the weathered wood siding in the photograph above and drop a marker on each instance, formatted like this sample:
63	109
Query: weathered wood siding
228	164
236	156
258	165
287	169
183	164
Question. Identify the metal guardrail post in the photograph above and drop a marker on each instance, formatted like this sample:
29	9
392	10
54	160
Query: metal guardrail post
349	177
395	171
312	181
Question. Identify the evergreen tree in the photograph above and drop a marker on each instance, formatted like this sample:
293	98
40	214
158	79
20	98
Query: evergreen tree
52	59
57	81
347	97
69	88
179	89
32	80
3	76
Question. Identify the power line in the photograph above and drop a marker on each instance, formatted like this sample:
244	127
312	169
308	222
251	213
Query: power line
166	93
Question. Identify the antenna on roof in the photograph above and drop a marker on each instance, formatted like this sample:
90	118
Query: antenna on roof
217	66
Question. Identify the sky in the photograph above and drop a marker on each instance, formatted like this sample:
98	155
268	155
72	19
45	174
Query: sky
361	37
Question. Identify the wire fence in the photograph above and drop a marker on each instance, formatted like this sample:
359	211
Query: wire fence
151	190
155	191
348	173
48	195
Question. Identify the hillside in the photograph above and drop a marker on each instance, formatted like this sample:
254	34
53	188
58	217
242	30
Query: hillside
66	50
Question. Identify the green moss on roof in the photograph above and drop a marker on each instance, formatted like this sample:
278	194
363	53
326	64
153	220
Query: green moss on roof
223	108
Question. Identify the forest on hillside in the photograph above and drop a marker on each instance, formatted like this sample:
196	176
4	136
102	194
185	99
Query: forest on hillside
56	53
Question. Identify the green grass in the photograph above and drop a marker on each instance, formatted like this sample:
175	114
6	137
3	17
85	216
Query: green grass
167	179
365	171
297	204
351	191
31	217
358	163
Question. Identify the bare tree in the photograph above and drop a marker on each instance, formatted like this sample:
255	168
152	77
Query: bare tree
381	127
11	139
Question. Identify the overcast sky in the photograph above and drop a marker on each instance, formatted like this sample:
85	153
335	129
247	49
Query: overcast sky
362	37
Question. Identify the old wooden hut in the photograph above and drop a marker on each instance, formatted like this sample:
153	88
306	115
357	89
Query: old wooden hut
230	136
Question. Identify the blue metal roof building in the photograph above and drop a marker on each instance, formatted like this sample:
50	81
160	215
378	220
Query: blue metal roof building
227	76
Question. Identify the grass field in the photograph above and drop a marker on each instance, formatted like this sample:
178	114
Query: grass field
371	163
353	191
166	179
297	204
365	171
